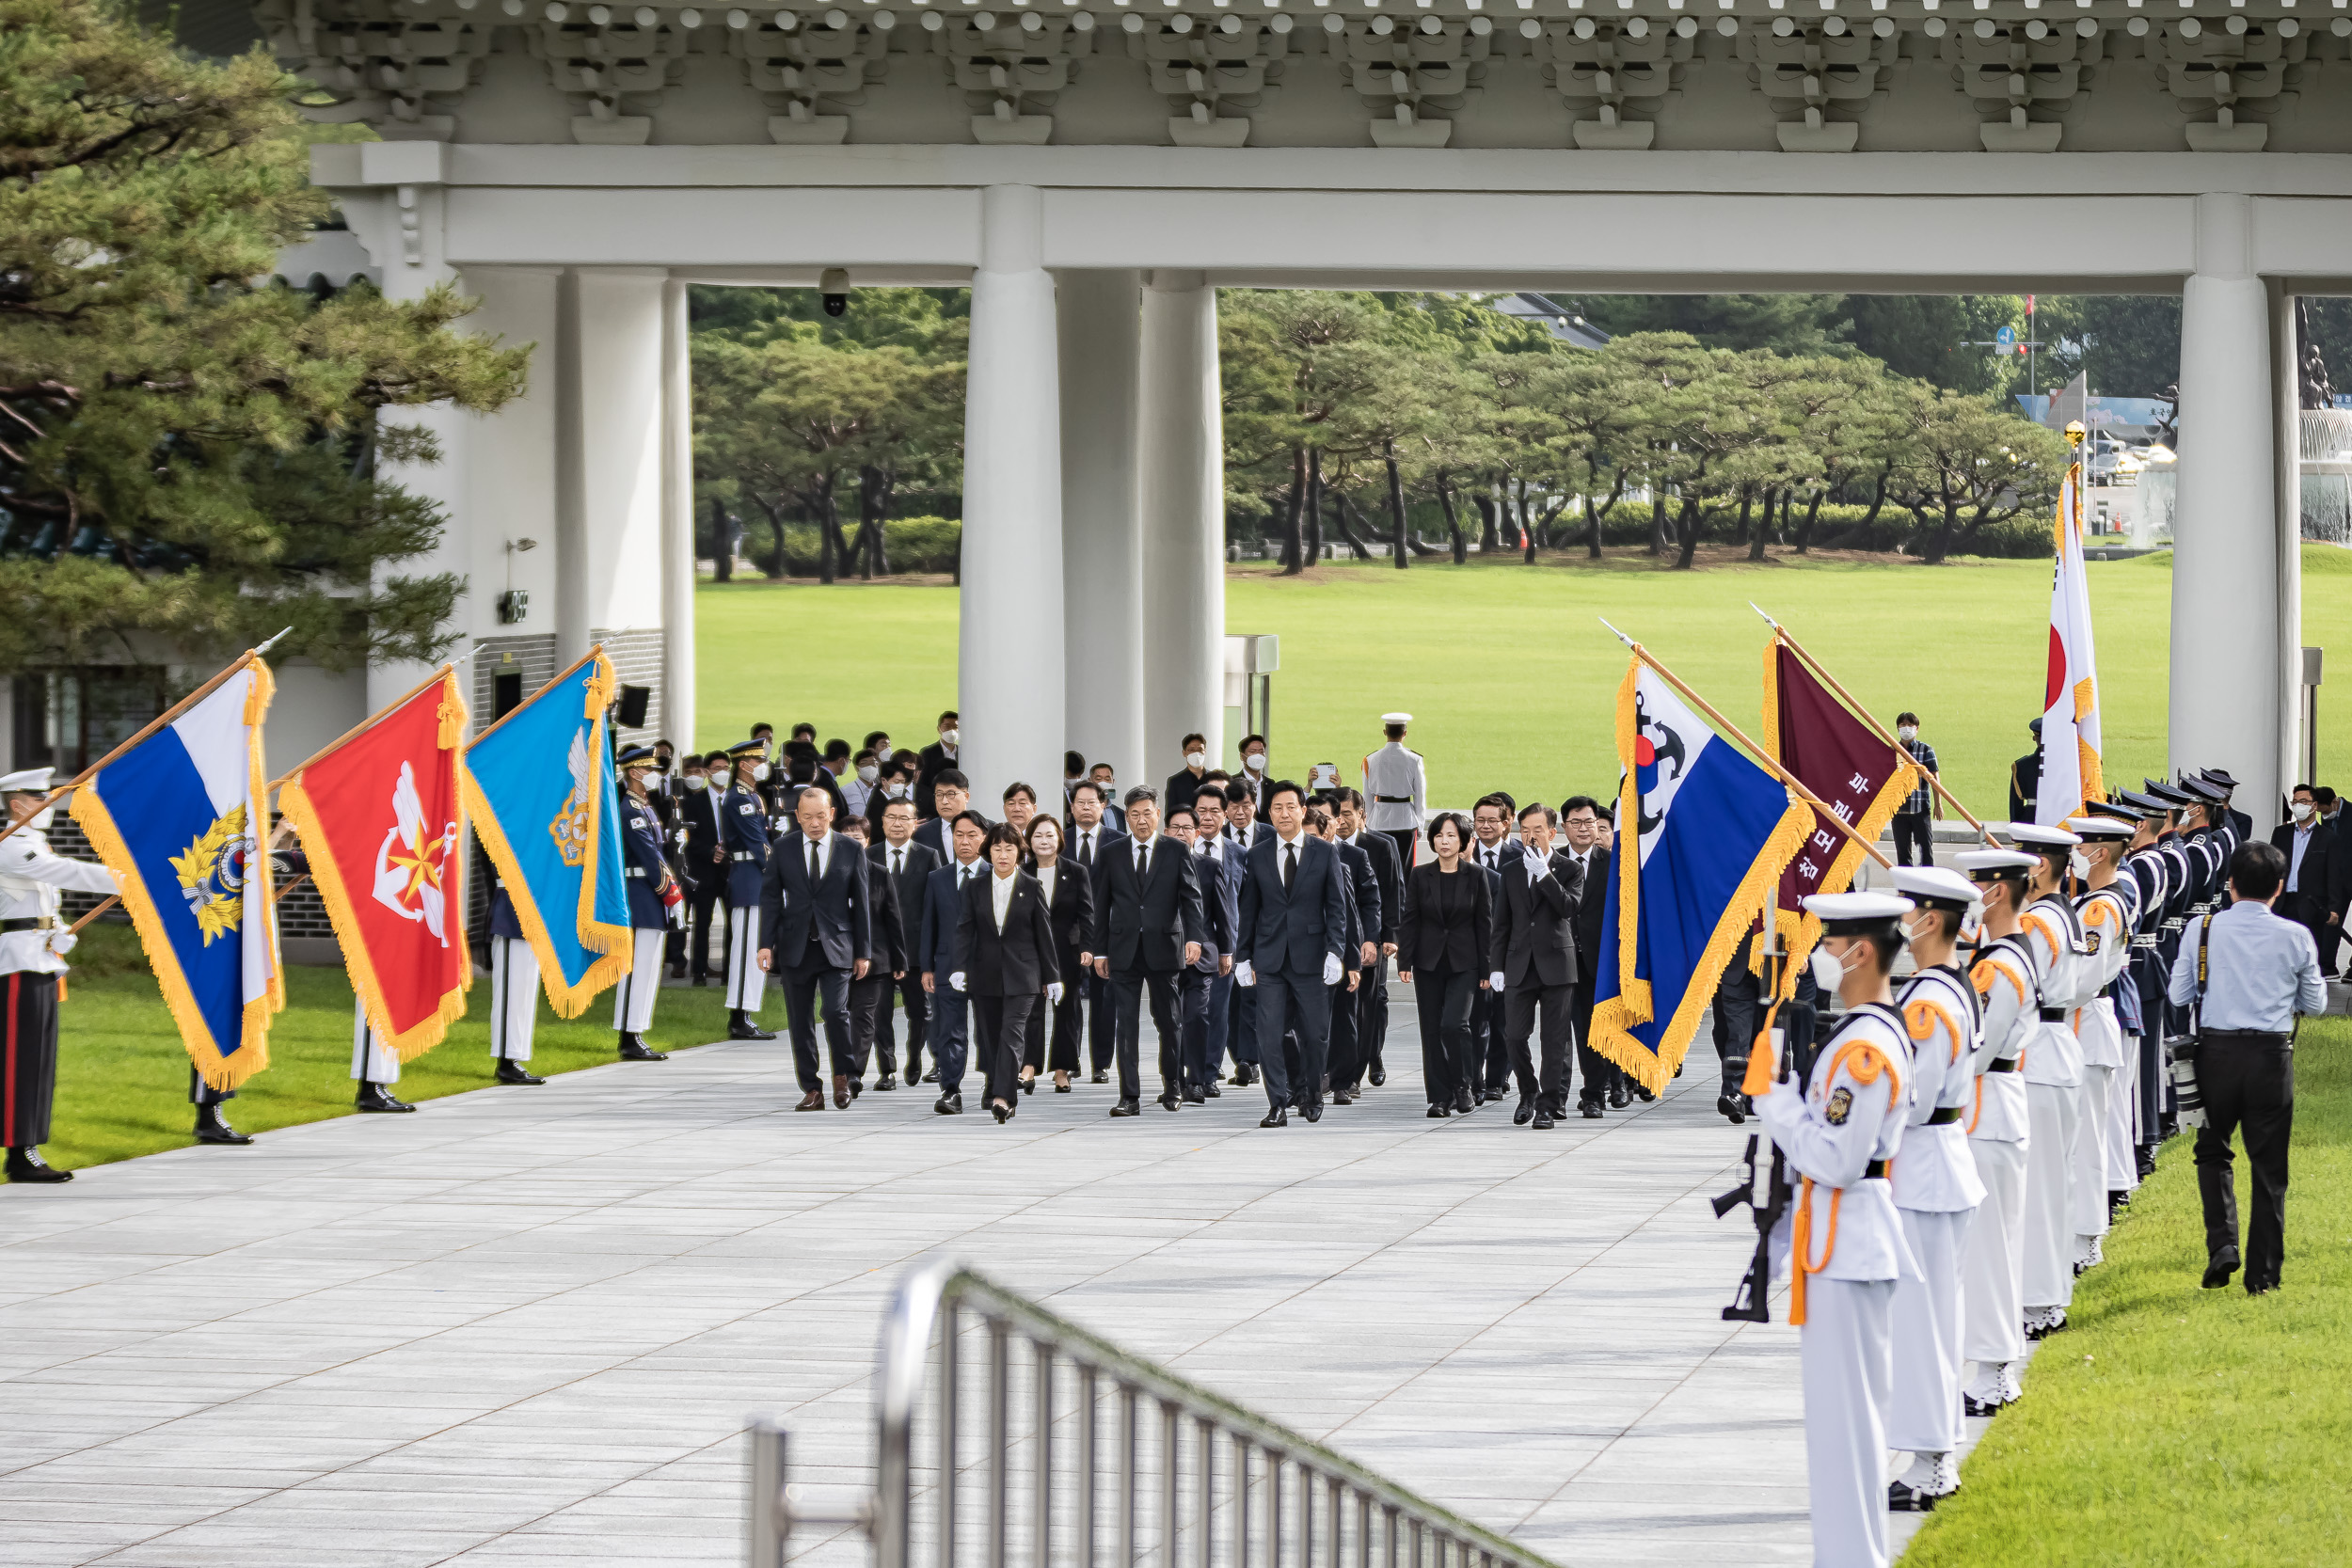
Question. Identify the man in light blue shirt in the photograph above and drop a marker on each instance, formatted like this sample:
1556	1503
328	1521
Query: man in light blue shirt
2250	972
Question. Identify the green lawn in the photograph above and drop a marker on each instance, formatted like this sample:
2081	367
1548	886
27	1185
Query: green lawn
1508	672
2174	1425
122	1077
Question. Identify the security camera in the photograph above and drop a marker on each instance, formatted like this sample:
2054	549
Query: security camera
834	285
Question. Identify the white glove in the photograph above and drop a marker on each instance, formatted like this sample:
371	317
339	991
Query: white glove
1331	968
1245	973
1494	981
1053	993
62	943
954	981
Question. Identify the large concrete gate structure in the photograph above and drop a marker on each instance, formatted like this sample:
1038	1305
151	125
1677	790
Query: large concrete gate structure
1095	170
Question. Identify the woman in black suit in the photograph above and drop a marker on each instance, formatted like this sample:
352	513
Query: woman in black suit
1441	953
1004	959
1069	907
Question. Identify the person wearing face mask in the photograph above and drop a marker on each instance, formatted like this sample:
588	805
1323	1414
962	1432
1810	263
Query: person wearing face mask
744	835
1847	1251
1914	830
1936	1188
937	758
2053	938
1999	1129
1186	782
705	855
2307	842
2102	1019
2141	1100
1102	775
1254	775
896	783
857	790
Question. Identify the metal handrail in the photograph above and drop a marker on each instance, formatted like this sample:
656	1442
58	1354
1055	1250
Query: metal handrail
1366	1520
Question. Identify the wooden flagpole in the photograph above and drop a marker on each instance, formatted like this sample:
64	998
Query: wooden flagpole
1770	762
1863	714
156	723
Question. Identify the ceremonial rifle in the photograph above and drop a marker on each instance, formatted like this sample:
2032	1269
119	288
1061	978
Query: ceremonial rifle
1751	1303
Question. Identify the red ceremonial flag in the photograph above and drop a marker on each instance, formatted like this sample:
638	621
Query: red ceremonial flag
1862	779
380	821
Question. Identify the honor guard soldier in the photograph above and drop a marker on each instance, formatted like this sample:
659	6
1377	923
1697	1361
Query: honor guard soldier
1993	1292
33	945
1846	1244
653	892
1936	1189
374	1065
743	835
2024	778
1396	790
513	991
2150	870
2108	913
2053	1066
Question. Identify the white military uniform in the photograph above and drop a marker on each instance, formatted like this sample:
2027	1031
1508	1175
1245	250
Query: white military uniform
33	881
1397	791
1839	1133
2053	1067
1937	1193
2106	915
1992	1265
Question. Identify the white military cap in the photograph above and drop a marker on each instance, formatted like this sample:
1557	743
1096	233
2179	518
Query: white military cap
2103	828
30	781
1847	914
1983	863
2023	833
1396	718
1934	886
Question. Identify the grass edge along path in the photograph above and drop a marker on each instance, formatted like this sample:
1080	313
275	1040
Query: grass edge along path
2175	1425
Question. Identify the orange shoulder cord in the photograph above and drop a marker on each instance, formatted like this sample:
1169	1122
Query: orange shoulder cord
1865	1061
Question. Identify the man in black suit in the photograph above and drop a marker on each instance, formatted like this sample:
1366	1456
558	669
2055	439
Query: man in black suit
1534	964
816	927
1294	917
1188	1065
1495	852
948	1024
1148	925
1219	855
898	868
937	758
952	794
2307	845
1372	996
1186	782
705	856
1241	1007
1091	836
1579	817
1344	1062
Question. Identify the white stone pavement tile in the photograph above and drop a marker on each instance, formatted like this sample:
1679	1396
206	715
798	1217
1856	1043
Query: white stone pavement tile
526	1330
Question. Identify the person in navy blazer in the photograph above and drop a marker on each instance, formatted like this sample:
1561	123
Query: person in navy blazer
935	955
743	835
1192	1072
1148	926
1210	845
1346	1057
1092	832
1294	917
817	931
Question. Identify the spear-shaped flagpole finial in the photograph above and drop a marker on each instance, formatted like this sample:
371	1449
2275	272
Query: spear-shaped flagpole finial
273	641
1620	636
1761	610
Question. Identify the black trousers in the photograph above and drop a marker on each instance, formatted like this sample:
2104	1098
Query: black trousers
1102	1024
1373	1031
28	1059
1490	1044
1601	1074
701	901
1241	1024
1344	1060
1288	1002
1127	988
998	1025
1914	830
805	985
1196	1072
873	1025
1444	999
2248	1086
1548	1081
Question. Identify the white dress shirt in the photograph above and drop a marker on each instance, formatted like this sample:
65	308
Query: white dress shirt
1087	842
1000	893
1045	882
824	850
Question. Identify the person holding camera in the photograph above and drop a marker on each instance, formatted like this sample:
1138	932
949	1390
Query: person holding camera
2248	973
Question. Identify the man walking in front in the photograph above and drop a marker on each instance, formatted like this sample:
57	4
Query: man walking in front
815	899
1533	965
1149	927
1294	916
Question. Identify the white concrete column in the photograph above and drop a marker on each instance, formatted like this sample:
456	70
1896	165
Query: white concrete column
1181	447
1008	676
2287	400
2226	709
678	523
609	476
1102	522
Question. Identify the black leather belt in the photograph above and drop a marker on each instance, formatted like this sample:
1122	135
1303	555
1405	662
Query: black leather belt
2233	1036
2053	1015
2009	1066
1874	1171
30	923
1392	800
1944	1115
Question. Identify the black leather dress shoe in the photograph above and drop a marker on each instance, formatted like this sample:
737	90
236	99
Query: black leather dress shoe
1589	1110
26	1165
1002	1112
1313	1110
1279	1117
931	1077
677	972
1194	1097
635	1050
740	1028
1128	1108
1378	1075
213	1128
1169	1100
1525	1113
1971	1405
376	1098
1341	1097
1544	1122
1101	1077
2220	1268
886	1082
512	1071
1463	1104
1618	1098
1902	1498
1728	1105
1213	1092
2262	1290
1436	1111
949	1105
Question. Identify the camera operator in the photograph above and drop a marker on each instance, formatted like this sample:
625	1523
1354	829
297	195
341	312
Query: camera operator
2249	972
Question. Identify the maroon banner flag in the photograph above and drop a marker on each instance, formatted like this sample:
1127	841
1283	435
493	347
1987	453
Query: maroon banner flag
1862	779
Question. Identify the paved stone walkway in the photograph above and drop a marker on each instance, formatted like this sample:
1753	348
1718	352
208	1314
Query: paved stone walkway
525	1326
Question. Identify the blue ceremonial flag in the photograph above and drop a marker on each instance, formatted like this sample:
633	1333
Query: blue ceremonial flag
1703	836
178	817
539	789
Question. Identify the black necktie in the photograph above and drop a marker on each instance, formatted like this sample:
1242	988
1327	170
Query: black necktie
1086	850
898	863
812	862
1290	864
1143	857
